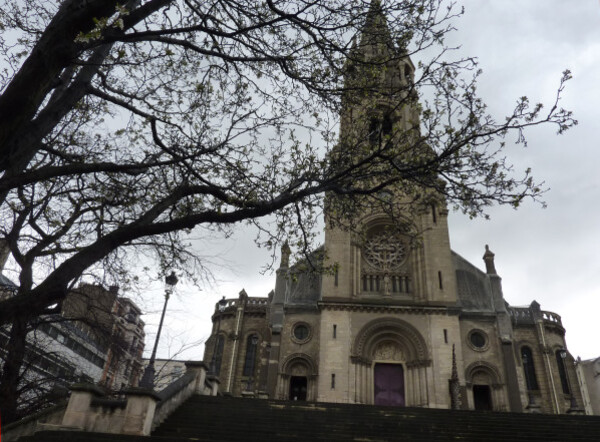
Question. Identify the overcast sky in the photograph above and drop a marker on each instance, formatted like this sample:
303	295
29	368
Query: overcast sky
548	255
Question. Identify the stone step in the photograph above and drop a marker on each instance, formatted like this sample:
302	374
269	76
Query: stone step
222	419
247	419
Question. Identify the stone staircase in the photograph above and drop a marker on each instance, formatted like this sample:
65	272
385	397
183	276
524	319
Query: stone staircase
211	419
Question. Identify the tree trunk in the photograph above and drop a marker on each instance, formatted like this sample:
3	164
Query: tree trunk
10	377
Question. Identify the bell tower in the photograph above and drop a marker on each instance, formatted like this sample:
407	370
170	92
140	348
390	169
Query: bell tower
402	255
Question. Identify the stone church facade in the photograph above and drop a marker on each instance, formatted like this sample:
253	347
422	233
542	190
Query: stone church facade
403	320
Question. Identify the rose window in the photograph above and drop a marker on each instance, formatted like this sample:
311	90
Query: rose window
385	251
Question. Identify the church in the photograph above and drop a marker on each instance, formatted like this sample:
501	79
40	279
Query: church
403	320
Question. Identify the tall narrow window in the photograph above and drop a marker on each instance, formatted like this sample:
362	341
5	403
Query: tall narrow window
386	126
333	381
562	371
440	280
219	353
374	131
529	369
249	362
334	331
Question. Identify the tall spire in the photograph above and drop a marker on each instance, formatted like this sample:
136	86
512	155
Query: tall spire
374	60
376	40
374	43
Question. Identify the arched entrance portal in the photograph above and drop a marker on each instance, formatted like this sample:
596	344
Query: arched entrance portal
389	385
391	364
297	379
298	388
485	385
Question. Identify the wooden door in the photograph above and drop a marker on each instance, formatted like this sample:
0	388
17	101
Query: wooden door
389	385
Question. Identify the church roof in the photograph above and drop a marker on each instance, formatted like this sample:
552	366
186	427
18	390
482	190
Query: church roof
474	291
4	281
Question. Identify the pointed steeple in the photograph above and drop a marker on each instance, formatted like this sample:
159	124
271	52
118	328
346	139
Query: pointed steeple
376	40
378	100
373	45
285	256
376	66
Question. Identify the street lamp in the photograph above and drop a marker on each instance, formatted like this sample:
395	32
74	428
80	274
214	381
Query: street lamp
213	363
148	377
563	355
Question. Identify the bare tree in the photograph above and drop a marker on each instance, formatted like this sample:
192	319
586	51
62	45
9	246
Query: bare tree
84	343
125	126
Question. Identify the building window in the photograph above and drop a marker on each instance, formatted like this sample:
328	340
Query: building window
250	361
478	340
374	131
386	126
219	354
301	333
529	369
562	371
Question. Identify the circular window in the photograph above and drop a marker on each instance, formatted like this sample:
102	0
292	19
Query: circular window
301	332
385	251
478	340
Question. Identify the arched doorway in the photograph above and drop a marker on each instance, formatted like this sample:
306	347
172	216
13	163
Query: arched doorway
391	364
297	378
389	385
298	388
486	388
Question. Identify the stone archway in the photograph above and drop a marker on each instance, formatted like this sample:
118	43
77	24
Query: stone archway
391	360
484	386
297	378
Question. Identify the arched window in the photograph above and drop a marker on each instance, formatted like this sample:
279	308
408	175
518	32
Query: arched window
386	126
219	353
250	361
374	131
562	371
529	369
408	74
379	128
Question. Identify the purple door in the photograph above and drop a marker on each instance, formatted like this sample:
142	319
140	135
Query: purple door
389	385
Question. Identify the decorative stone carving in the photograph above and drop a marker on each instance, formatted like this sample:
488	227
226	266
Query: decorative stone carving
385	251
388	351
408	337
299	370
387	284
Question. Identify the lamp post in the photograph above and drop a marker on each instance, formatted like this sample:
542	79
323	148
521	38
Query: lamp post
148	377
563	355
213	363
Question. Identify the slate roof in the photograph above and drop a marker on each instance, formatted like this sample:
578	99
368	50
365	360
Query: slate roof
4	281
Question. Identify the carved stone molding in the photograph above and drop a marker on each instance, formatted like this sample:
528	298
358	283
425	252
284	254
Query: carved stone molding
487	368
406	337
298	359
388	351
